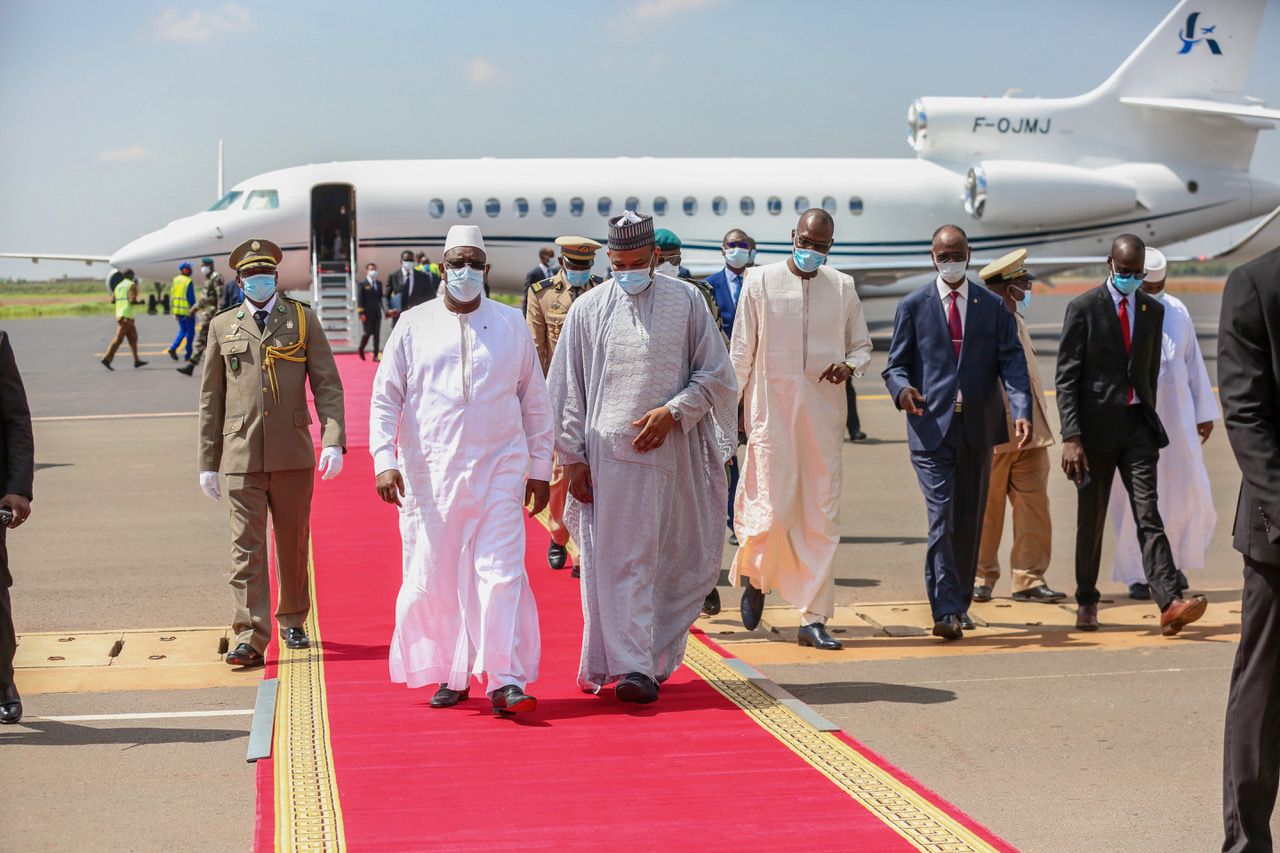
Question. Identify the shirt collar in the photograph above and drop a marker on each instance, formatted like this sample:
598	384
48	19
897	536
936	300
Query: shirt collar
944	289
730	275
269	307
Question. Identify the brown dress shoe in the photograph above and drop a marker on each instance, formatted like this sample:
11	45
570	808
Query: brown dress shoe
1181	613
1087	617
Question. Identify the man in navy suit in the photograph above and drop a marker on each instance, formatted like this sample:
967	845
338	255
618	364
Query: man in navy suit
953	344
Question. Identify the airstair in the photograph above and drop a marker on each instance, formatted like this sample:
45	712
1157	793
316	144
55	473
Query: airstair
333	298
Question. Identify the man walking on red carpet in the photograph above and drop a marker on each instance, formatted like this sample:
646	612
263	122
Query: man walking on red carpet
461	386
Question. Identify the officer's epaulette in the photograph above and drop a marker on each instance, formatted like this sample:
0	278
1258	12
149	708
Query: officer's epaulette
536	286
225	310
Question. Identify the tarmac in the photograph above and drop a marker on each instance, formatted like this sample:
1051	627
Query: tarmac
1056	740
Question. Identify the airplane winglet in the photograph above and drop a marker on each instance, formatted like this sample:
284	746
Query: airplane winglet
37	257
1261	239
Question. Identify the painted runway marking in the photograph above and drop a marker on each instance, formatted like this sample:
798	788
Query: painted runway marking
115	417
156	715
1073	675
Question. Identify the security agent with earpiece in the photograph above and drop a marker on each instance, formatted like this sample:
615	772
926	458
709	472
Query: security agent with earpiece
254	428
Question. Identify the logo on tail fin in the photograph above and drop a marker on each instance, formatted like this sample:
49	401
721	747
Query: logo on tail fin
1189	40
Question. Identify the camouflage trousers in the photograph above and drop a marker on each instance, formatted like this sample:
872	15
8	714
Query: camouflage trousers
202	337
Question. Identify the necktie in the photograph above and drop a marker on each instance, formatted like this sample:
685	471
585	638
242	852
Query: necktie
1123	310
260	317
953	323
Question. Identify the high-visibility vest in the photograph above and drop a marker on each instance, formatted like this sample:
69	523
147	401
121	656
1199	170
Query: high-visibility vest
124	308
178	304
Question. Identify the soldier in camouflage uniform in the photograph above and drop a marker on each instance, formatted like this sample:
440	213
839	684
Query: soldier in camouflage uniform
206	306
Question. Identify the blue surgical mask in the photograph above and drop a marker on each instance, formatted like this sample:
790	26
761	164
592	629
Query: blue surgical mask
737	257
1125	284
259	288
807	260
1025	302
633	281
577	278
465	284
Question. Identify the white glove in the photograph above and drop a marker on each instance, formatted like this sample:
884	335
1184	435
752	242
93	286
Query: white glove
330	462
209	484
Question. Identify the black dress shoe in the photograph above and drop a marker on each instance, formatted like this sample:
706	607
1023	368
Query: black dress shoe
1041	593
10	712
966	622
751	607
816	636
187	369
636	687
446	697
511	700
295	638
245	655
858	435
982	592
1139	592
733	539
575	572
948	628
556	555
711	604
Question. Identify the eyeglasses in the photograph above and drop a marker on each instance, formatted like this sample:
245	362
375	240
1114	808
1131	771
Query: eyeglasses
737	244
475	265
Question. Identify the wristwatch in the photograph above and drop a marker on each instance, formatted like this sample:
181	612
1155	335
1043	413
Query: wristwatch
675	413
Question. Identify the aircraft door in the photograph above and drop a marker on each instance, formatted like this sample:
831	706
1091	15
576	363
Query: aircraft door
333	263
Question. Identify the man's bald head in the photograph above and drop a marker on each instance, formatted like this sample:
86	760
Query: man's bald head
949	238
817	220
1129	251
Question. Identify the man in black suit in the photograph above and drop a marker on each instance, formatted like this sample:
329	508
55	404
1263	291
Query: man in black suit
1249	387
17	469
539	273
369	303
407	287
1108	361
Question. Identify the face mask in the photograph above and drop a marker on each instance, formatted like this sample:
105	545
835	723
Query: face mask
465	284
668	268
577	278
1157	296
373	274
208	271
1025	302
807	260
633	281
737	257
952	272
406	265
1125	284
259	288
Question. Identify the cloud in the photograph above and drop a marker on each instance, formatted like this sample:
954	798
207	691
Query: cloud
127	154
659	11
482	72
200	25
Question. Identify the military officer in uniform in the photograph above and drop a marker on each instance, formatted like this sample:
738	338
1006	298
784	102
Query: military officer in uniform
254	429
549	302
206	307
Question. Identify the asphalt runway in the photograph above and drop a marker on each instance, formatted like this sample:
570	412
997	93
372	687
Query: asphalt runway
1092	748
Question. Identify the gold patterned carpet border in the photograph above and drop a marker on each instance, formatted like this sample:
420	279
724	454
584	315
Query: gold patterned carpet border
308	812
924	825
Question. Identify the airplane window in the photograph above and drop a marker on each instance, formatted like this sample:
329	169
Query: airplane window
747	205
262	200
660	206
604	205
492	207
633	203
802	203
576	206
227	200
464	207
522	206
855	205
719	205
548	206
690	205
774	204
436	208
829	205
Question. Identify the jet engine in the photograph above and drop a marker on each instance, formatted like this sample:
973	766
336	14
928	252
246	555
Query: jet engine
1016	192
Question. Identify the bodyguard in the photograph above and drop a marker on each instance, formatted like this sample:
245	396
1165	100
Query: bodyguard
254	429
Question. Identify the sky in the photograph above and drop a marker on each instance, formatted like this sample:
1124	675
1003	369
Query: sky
112	111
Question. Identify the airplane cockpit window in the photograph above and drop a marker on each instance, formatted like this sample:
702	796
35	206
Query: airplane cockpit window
492	207
464	207
227	200
576	206
262	200
632	203
660	206
855	205
690	205
802	203
522	206
548	206
774	204
747	205
829	205
719	205
435	207
604	205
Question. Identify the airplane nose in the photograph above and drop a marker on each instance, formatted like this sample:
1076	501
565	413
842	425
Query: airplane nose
157	254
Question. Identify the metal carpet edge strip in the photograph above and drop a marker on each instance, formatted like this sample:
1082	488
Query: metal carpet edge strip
308	813
921	823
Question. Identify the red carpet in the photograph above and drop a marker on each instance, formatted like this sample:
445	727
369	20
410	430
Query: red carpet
691	772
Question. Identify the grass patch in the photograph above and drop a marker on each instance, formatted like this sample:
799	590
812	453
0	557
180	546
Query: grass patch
28	311
507	299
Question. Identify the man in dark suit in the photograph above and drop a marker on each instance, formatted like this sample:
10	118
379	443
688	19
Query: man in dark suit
17	469
407	287
541	272
1108	361
1249	387
739	251
369	305
953	345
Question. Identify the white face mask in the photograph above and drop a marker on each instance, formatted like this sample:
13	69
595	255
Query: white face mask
373	274
668	268
406	265
952	272
465	284
208	271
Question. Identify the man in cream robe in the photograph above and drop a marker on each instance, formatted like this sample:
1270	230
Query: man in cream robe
461	395
643	389
798	334
1187	407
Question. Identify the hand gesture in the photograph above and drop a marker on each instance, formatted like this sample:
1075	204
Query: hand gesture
390	486
654	426
911	401
836	373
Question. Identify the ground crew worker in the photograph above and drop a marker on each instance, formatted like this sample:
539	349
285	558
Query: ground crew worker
210	299
253	428
125	297
549	302
182	305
